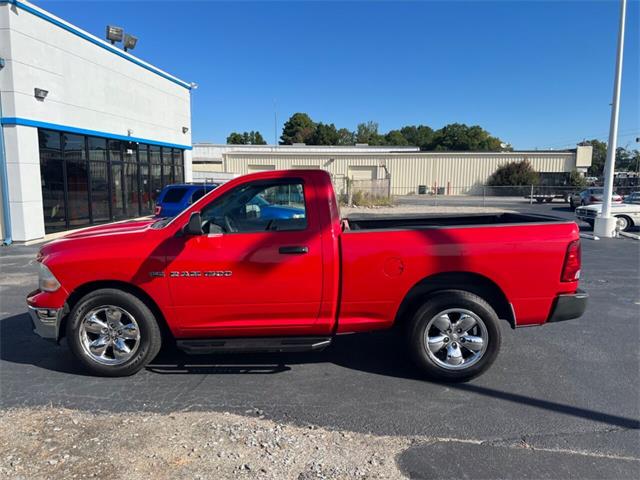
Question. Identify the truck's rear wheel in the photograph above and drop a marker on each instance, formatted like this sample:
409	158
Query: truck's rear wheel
113	333
454	336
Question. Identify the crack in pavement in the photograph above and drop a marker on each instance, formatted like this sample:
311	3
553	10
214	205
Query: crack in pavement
521	443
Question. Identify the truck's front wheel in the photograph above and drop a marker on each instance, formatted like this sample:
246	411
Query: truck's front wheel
454	336
113	333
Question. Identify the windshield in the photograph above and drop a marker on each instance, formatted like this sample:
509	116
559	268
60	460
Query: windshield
633	198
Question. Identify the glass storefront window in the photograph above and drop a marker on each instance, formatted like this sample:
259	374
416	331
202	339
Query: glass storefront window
156	172
156	181
178	166
87	180
100	191
97	149
146	205
118	209
77	176
167	166
52	179
131	191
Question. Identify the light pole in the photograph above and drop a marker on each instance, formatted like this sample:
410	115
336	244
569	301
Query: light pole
605	224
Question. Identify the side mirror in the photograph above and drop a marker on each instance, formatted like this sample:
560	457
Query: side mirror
194	226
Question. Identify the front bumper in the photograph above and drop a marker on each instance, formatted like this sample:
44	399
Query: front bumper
568	307
46	321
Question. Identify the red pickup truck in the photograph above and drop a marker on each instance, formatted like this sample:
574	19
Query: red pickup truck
218	277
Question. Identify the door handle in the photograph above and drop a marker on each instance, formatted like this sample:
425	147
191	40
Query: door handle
294	250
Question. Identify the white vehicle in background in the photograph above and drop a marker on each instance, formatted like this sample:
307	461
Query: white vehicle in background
627	213
591	196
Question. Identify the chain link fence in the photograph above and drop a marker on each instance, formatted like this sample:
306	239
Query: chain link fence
363	192
371	192
486	195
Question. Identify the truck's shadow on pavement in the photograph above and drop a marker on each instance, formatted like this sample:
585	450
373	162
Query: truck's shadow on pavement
379	353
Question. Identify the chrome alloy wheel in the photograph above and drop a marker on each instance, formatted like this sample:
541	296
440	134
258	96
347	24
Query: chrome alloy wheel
622	223
456	338
109	335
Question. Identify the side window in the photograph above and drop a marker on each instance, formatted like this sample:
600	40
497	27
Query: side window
197	195
258	207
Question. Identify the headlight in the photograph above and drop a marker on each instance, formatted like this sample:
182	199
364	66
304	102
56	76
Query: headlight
46	281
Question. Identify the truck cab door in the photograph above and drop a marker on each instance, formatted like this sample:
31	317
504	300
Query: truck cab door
257	270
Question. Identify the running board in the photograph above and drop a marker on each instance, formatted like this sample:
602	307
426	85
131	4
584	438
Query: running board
253	344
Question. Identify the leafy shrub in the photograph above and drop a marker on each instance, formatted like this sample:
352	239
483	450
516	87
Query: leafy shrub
365	199
514	173
576	179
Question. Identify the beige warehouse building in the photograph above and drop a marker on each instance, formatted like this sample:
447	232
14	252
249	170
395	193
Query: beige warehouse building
407	168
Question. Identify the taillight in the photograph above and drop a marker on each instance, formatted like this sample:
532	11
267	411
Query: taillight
158	209
572	263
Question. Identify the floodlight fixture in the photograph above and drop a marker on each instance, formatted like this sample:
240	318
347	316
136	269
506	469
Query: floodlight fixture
40	93
129	42
114	34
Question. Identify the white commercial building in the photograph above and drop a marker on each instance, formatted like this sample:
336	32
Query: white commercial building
407	168
90	133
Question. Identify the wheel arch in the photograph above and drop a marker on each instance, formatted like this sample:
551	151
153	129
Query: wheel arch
134	290
471	282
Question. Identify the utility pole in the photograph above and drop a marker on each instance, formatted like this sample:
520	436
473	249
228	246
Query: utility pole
275	123
605	224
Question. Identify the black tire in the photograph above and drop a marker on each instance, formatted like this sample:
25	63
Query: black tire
629	223
150	339
539	200
572	205
437	303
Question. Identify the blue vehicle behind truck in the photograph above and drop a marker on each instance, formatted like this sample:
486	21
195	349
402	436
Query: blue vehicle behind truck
174	198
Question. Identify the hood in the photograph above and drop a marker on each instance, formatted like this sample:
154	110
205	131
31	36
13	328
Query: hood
113	233
614	207
130	226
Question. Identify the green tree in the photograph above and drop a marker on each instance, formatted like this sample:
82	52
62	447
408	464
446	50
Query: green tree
235	138
627	160
514	173
246	138
634	161
576	179
324	134
418	135
256	138
395	137
345	137
367	132
461	137
598	157
298	129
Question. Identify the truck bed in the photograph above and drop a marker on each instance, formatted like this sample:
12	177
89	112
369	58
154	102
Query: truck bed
358	222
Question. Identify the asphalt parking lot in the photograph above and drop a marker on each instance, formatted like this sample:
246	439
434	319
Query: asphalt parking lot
561	401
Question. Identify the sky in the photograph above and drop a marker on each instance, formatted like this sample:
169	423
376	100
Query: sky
536	74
